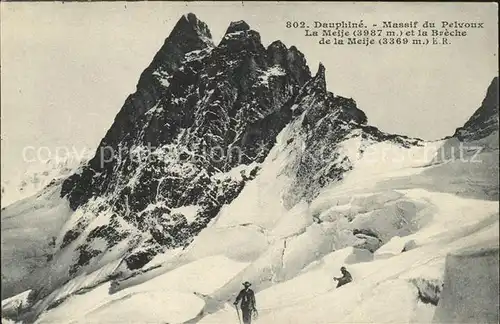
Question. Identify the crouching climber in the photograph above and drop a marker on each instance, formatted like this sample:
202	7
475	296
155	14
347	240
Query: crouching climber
345	279
247	298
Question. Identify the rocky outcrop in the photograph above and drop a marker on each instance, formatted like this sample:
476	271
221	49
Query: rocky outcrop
485	120
429	290
367	242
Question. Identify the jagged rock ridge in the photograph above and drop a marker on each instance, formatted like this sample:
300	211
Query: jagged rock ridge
177	138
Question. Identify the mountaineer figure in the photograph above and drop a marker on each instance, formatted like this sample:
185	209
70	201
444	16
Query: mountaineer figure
247	298
345	279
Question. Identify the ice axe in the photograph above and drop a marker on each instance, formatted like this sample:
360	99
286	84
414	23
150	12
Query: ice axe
237	312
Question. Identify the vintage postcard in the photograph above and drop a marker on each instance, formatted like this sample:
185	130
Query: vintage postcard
249	162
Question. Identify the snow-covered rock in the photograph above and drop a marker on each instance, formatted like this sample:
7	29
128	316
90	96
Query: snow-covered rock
394	247
367	242
30	229
13	306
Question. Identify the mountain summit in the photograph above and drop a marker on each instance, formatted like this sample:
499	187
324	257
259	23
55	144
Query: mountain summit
237	26
189	34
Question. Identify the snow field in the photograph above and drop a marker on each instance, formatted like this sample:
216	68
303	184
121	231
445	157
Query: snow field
168	298
291	253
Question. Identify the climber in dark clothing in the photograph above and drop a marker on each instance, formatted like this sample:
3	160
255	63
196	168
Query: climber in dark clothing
345	279
247	298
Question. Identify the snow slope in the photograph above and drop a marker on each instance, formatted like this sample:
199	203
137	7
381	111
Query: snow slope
380	287
291	254
387	199
32	223
29	231
169	297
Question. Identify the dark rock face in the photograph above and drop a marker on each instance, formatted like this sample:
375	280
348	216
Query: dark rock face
193	117
327	121
188	35
485	120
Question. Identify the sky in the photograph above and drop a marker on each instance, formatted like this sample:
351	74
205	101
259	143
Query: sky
66	68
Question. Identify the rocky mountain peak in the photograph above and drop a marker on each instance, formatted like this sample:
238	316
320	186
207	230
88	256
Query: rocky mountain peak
189	28
485	120
319	78
277	53
239	36
237	26
276	45
316	85
189	34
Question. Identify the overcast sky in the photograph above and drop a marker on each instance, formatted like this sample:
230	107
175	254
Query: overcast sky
68	67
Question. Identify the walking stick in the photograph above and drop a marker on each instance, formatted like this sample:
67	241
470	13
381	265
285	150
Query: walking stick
238	312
